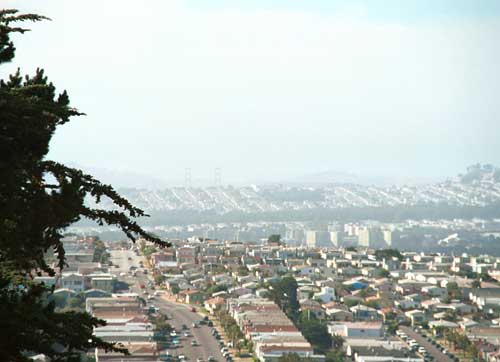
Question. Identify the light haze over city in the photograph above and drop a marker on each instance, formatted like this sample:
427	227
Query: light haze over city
272	90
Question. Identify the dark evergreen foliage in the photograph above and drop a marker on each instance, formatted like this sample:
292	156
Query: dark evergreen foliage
39	198
381	254
284	294
275	238
316	332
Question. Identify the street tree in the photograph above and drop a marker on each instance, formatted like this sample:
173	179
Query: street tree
284	294
274	239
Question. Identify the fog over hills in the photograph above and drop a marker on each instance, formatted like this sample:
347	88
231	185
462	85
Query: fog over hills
479	186
331	176
131	179
124	179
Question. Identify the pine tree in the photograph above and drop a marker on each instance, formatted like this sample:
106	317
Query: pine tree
39	198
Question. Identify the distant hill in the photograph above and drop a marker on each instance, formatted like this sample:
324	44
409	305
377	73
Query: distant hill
131	179
337	177
125	179
480	173
478	187
326	177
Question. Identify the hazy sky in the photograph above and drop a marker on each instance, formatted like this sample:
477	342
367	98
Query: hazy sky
270	89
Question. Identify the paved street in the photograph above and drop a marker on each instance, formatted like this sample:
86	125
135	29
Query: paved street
433	351
121	258
180	314
208	345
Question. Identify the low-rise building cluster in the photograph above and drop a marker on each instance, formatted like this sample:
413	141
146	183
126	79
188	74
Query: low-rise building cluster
271	331
362	294
84	275
127	324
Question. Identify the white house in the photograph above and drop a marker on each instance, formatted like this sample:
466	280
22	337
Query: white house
327	294
356	329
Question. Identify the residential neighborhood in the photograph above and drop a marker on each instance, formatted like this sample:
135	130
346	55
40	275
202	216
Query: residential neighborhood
250	181
266	300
